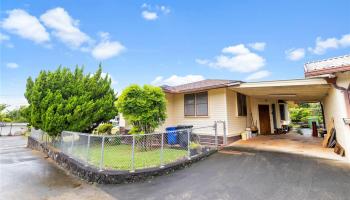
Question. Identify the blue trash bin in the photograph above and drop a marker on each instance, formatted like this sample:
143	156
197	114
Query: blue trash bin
172	135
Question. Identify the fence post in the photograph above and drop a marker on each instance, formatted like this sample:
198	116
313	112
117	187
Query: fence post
87	151
102	153
162	151
225	136
188	144
61	142
216	134
72	144
133	154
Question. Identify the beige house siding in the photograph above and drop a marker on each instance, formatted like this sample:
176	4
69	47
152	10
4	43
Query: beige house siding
222	105
169	121
235	124
335	107
216	111
255	102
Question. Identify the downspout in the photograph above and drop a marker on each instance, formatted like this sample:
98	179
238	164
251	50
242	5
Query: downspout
333	81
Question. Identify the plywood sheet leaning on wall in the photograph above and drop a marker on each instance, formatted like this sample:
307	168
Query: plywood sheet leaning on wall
329	133
339	149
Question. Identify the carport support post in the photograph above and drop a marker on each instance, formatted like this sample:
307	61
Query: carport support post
225	136
87	151
188	143
216	133
162	151
102	152
133	154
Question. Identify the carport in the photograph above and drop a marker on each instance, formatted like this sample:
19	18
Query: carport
266	103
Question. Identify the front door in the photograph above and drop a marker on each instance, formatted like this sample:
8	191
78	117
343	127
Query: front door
264	119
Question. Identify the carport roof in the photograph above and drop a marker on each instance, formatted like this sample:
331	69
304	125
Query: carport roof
297	90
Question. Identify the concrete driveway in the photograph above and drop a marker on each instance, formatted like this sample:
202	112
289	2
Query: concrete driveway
247	175
292	143
226	175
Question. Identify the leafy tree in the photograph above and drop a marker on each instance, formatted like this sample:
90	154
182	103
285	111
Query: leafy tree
69	100
105	128
301	112
143	107
18	115
2	113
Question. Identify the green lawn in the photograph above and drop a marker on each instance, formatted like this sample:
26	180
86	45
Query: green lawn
119	156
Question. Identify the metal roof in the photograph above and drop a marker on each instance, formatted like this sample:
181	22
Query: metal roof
331	65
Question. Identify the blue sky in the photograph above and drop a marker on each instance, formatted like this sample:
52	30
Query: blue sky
168	42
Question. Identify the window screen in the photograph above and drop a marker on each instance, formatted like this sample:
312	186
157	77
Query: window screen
202	104
189	104
282	112
196	104
241	104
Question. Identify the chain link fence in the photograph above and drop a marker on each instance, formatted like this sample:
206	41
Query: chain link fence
126	152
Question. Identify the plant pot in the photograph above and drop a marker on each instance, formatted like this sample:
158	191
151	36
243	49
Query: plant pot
193	152
205	149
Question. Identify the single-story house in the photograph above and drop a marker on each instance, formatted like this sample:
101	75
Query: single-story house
240	104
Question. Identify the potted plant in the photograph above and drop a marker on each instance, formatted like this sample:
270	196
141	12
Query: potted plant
195	148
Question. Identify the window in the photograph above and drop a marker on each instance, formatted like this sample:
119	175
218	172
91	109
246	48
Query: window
241	104
282	112
196	104
202	104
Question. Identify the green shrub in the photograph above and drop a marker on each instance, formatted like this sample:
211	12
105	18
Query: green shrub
143	107
5	119
105	128
194	145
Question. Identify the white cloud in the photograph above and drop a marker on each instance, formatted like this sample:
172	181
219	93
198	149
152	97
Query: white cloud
4	37
237	49
345	41
146	6
322	45
113	81
295	54
202	61
21	23
259	46
176	80
14	101
65	27
152	12
106	49
147	15
164	9
258	75
12	65
242	60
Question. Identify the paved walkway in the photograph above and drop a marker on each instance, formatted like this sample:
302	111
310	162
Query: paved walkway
290	143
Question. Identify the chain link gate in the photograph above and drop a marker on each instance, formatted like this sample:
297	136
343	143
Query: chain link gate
214	135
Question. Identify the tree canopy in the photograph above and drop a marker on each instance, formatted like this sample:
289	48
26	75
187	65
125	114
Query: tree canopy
143	107
69	100
14	115
301	112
